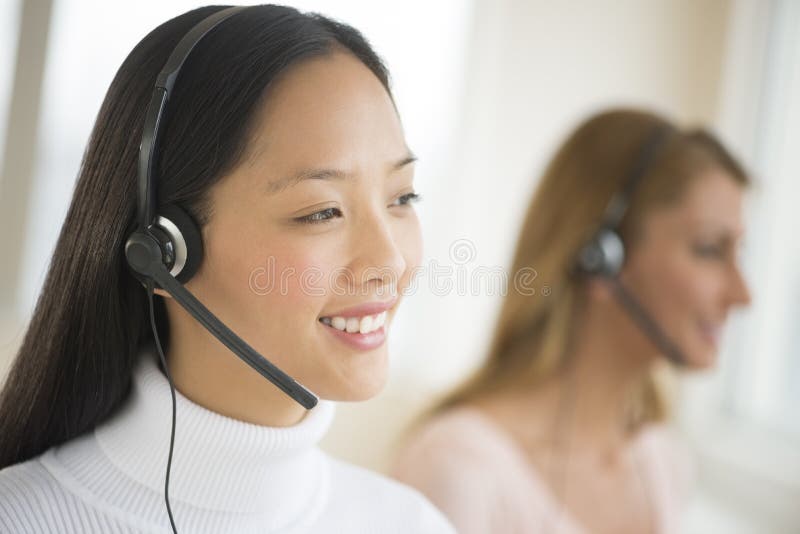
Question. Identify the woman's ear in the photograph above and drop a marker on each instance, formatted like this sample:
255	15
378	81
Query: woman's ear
598	290
162	293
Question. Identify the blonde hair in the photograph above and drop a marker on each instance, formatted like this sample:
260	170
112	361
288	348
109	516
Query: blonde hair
531	339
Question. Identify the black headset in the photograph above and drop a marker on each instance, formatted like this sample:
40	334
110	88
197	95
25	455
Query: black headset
604	254
165	250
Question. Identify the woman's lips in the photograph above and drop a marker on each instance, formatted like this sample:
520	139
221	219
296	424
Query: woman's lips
711	333
369	308
357	340
360	327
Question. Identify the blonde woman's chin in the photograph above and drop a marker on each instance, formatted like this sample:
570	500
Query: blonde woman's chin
703	356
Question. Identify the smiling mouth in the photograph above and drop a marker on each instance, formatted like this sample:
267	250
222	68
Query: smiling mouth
711	332
353	325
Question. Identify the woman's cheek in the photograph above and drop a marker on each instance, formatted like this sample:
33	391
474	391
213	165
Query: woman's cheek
676	287
698	281
659	279
302	279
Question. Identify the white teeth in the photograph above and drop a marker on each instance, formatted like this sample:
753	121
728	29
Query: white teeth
363	325
353	325
366	324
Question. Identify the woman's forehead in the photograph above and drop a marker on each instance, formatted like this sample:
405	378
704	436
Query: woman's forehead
325	106
711	204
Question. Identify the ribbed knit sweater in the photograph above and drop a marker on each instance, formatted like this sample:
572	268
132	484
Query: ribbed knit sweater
227	476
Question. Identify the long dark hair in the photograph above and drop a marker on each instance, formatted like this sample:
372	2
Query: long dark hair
73	369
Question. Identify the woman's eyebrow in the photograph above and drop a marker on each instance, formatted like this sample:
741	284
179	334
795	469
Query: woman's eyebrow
325	174
410	158
720	230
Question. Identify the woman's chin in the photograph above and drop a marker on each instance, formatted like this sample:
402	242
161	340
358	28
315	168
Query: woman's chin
359	381
357	392
701	360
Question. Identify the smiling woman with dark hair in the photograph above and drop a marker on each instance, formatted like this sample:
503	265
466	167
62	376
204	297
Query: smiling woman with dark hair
283	146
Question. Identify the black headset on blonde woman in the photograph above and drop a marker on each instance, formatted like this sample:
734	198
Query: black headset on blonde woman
166	249
604	254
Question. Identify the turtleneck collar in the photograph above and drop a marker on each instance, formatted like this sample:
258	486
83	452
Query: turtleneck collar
219	464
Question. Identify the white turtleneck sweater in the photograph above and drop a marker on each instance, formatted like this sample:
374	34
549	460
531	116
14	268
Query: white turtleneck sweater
227	476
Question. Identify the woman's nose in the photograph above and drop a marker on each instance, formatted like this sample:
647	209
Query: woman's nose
740	293
377	257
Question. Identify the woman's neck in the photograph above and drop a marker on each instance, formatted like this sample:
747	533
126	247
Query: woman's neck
587	403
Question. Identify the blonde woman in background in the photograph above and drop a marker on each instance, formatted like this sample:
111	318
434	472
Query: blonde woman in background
563	428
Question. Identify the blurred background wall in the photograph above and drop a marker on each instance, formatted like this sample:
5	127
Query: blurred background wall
486	90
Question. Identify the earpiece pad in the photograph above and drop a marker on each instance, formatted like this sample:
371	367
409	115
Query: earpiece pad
192	241
603	255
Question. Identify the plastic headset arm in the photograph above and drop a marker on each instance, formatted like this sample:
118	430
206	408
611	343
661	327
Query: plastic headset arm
236	344
646	322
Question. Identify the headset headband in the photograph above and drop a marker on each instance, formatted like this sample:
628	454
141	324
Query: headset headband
618	205
148	148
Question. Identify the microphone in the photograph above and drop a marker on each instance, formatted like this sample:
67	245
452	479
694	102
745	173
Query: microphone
143	254
646	322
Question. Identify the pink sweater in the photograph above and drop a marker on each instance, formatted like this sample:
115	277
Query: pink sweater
475	473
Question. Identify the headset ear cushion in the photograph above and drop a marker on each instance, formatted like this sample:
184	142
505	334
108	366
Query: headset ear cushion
603	255
590	258
192	239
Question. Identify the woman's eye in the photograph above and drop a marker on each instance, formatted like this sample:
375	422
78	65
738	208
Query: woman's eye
329	214
709	251
320	216
407	199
